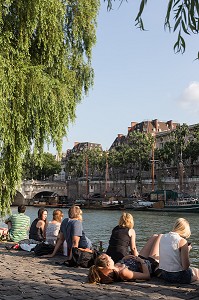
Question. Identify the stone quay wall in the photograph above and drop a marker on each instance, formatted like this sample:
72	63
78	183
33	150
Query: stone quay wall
78	189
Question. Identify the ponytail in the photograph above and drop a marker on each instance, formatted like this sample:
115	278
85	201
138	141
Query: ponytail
93	275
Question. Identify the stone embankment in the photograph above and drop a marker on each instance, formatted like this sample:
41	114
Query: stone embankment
24	276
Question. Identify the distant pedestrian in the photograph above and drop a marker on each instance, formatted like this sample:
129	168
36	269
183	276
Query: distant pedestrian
18	225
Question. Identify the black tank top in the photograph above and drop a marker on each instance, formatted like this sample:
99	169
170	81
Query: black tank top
36	233
119	243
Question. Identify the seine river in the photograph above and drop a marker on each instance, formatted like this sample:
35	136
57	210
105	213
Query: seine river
98	225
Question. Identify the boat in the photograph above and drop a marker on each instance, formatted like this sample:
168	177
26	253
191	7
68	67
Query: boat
171	201
52	201
47	205
100	204
138	204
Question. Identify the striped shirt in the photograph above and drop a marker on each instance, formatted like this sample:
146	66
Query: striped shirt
20	224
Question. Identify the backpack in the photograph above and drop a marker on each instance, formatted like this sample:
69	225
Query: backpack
82	258
43	249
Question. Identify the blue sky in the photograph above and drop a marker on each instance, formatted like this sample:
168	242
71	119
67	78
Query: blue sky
137	76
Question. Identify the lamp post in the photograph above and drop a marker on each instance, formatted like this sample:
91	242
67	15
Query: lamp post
107	174
87	180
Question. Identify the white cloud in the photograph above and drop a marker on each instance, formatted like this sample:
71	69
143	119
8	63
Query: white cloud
189	99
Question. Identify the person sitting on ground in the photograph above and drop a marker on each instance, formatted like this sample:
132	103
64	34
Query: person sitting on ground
72	232
122	238
18	225
174	255
38	226
53	227
129	268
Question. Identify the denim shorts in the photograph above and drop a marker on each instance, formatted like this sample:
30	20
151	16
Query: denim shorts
184	276
134	265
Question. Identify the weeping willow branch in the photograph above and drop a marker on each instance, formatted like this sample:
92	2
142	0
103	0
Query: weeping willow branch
45	69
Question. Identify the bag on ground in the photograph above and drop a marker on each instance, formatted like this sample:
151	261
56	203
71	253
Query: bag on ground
82	258
43	249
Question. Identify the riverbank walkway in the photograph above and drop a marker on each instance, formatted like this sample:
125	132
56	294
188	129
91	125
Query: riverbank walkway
24	276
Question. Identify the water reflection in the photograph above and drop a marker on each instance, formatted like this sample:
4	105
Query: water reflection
98	225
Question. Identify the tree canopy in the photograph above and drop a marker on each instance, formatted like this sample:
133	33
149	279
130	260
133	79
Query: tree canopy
40	170
181	17
45	69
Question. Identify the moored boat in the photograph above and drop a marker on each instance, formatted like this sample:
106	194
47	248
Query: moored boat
138	204
183	204
47	205
100	205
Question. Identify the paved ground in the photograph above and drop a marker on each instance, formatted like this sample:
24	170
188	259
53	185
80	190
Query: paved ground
24	276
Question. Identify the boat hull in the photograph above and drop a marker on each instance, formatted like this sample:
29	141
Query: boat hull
177	208
101	207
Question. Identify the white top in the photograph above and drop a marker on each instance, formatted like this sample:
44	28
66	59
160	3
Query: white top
52	232
170	260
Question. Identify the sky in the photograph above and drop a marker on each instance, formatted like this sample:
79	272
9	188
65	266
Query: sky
137	76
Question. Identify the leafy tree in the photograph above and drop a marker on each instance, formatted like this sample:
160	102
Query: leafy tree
119	161
141	149
192	149
76	163
40	170
182	16
45	69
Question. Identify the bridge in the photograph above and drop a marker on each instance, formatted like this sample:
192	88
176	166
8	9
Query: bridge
31	189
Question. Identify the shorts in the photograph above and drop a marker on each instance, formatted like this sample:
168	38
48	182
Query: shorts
153	264
134	265
184	276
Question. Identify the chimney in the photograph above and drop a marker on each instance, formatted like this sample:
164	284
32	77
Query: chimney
155	122
76	143
170	124
133	124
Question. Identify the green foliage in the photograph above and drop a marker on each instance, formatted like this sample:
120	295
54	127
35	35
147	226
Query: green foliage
94	157
45	69
41	169
176	149
182	16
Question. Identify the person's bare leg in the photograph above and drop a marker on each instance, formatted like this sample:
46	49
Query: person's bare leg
151	248
195	272
155	250
145	251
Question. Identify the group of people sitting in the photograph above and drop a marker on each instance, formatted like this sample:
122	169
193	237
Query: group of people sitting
164	255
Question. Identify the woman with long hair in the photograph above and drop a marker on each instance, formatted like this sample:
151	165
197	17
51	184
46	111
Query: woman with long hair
123	238
38	226
174	254
129	268
53	227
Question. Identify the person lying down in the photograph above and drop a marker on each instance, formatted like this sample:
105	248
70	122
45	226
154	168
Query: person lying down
131	267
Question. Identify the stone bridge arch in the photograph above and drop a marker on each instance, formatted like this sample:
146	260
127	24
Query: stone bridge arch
31	188
19	199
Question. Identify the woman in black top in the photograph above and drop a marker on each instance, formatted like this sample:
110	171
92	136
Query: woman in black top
122	238
38	226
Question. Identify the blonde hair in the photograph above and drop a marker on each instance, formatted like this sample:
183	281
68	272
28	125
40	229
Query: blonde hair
126	220
57	215
94	275
182	227
75	212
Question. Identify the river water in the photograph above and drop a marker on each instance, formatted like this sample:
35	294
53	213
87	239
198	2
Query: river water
99	223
